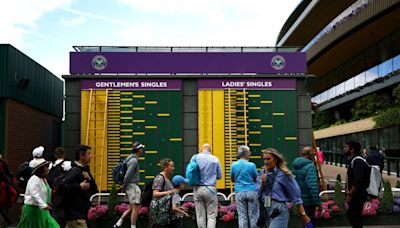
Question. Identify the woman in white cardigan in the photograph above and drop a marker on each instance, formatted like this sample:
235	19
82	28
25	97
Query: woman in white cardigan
35	212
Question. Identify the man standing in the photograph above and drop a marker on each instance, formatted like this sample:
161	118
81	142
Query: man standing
357	182
374	157
306	176
205	195
58	170
131	187
80	185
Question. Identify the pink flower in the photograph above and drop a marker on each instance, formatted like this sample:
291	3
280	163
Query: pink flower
92	210
335	208
223	209
330	202
230	215
231	207
143	211
188	205
327	215
316	214
91	216
289	205
101	209
376	201
225	218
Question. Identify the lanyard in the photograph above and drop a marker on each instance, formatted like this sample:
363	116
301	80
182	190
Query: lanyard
271	183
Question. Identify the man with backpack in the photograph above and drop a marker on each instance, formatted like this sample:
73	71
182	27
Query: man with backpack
374	157
8	191
79	185
205	194
358	177
130	184
24	171
57	173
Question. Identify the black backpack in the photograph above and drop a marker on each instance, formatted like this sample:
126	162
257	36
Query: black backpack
56	180
24	172
147	194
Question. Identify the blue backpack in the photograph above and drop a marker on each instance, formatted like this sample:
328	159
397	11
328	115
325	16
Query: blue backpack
119	171
193	172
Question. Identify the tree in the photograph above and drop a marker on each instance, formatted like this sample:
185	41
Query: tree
396	94
370	105
113	200
338	196
387	200
323	119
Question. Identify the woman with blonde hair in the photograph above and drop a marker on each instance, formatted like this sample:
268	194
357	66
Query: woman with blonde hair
276	186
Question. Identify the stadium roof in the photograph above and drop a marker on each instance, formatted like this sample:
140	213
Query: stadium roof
182	49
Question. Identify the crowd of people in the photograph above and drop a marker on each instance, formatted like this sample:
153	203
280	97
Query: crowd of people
57	194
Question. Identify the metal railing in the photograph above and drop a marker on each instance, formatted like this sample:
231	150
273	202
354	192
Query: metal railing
392	164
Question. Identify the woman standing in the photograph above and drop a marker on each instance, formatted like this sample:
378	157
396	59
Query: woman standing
244	174
35	212
276	186
162	188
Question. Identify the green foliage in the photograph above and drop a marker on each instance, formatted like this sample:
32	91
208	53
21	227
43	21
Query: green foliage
396	94
339	122
398	184
370	105
338	196
388	118
339	178
113	200
387	200
323	119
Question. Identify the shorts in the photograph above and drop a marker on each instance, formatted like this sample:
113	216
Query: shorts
133	193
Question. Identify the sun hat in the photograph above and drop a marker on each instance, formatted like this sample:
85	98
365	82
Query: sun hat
37	163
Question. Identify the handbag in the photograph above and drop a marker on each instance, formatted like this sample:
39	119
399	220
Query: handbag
262	219
160	211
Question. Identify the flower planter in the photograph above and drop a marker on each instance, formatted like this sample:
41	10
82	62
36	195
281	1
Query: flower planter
338	220
341	220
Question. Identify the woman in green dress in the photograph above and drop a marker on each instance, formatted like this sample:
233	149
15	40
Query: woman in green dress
36	209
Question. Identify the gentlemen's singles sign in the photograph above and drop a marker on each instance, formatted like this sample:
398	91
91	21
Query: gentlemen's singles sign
132	84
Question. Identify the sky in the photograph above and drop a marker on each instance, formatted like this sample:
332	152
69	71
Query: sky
46	30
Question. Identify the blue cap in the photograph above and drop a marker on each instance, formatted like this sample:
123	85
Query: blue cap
178	180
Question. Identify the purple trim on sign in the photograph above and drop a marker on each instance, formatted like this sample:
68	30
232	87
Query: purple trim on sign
241	83
188	62
132	84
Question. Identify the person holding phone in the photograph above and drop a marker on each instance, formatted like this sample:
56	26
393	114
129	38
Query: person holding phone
276	186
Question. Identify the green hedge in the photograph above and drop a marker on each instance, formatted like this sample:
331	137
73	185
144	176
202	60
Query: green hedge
388	118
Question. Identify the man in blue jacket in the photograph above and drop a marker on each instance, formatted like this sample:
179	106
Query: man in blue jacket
307	179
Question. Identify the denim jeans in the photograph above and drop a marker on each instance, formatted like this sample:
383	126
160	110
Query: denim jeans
280	221
247	208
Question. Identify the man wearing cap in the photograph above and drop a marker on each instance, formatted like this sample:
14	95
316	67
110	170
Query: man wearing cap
131	181
179	184
80	185
205	194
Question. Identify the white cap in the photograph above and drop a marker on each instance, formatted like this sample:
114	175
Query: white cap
38	152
